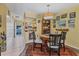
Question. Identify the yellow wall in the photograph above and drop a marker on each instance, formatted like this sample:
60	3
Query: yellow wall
73	34
3	13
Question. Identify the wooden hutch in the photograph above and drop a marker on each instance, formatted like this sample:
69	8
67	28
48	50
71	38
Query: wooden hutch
45	26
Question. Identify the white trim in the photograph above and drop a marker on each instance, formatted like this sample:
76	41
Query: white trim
22	50
73	46
22	53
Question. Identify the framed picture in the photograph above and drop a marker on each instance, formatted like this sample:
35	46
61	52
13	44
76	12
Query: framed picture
72	15
62	23
18	30
0	25
0	18
64	15
38	21
58	18
54	23
71	23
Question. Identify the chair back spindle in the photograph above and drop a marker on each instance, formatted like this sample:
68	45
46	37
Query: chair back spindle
54	40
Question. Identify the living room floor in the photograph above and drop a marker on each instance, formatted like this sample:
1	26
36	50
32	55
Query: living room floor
37	52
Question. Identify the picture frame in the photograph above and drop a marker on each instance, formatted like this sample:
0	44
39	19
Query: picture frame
71	23
54	23
62	23
0	18
38	21
72	15
58	18
18	30
0	25
64	15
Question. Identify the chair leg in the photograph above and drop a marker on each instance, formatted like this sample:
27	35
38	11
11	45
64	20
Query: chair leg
49	51
41	47
34	46
59	52
64	47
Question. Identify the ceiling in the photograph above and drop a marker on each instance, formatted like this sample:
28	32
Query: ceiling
20	8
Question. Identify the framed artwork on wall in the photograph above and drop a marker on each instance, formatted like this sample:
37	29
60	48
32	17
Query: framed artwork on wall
71	22
18	30
0	18
62	23
64	15
0	25
38	21
72	15
58	18
54	23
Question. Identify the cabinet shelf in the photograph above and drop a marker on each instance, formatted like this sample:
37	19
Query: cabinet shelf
45	26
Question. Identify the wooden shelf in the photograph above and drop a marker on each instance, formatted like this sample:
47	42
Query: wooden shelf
45	26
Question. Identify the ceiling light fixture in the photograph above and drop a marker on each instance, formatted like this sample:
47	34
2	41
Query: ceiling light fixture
49	16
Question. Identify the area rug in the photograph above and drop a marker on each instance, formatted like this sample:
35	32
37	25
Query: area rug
38	52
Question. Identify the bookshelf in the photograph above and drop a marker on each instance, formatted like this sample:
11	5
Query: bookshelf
45	26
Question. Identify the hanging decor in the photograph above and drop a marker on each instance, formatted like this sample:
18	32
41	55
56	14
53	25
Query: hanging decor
58	18
0	20
72	15
18	30
62	23
54	23
38	21
64	15
71	22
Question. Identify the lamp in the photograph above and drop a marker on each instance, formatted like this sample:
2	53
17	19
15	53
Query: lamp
49	16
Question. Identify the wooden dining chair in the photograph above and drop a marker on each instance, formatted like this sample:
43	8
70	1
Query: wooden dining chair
36	41
63	38
54	43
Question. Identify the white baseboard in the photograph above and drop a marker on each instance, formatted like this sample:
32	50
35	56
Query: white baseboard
73	47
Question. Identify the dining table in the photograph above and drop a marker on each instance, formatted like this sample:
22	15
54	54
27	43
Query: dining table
45	37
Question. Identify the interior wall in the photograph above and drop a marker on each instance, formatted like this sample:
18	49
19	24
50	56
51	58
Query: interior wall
3	13
72	38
